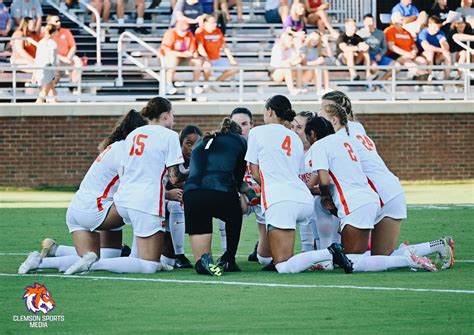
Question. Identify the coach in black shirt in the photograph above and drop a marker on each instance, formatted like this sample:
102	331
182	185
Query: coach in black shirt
217	169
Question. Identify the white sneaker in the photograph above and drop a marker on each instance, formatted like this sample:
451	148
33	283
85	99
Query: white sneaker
447	255
418	262
83	264
198	90
48	247
32	262
171	90
322	266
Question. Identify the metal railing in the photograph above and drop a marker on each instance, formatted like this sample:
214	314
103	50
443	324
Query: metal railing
459	39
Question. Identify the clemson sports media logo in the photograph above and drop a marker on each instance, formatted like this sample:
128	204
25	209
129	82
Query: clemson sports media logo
38	299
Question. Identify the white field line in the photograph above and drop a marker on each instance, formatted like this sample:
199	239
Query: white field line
235	283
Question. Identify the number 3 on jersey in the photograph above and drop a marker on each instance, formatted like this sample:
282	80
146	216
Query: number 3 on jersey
286	145
138	146
350	151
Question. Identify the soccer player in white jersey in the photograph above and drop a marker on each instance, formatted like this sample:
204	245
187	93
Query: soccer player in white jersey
276	157
92	209
345	191
392	197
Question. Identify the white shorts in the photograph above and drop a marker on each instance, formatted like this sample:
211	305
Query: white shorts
362	218
395	209
286	214
78	220
259	216
143	224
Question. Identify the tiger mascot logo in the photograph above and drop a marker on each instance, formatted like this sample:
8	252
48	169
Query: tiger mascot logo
38	299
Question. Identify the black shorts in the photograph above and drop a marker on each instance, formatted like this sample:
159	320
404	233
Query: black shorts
200	206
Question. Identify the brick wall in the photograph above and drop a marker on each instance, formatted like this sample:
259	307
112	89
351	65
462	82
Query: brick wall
56	151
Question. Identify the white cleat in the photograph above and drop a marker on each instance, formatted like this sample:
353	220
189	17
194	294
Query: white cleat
48	247
322	266
32	262
83	264
447	255
419	262
164	267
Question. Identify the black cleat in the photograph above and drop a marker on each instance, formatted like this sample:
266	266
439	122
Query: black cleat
126	251
270	267
228	264
253	256
340	258
205	266
182	262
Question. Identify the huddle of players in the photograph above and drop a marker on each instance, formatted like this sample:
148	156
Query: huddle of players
347	189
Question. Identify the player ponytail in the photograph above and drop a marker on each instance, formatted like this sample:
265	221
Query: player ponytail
188	130
227	126
155	107
339	112
281	106
320	126
342	100
128	123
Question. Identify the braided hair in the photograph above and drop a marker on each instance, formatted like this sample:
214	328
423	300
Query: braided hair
339	112
227	126
341	99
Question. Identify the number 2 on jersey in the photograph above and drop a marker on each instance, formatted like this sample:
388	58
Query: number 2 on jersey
286	145
350	151
138	146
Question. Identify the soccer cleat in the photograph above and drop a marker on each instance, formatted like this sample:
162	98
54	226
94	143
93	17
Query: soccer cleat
447	255
182	262
164	267
419	262
48	247
32	262
270	267
228	264
83	264
253	256
126	251
322	266
340	258
205	265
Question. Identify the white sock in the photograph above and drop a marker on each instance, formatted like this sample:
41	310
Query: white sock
327	226
176	222
61	263
125	265
110	252
303	261
64	250
363	263
422	249
314	230
306	236
140	20
264	260
223	235
121	20
167	260
134	249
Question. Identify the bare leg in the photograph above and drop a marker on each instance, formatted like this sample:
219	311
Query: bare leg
200	244
355	240
385	236
282	244
86	241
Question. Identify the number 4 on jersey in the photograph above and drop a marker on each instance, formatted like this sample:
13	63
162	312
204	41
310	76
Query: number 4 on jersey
286	145
138	146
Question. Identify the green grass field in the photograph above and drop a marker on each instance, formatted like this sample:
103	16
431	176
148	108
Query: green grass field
250	302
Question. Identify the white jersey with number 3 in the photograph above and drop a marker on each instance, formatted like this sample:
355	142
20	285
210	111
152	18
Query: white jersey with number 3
101	181
380	178
149	150
350	189
279	153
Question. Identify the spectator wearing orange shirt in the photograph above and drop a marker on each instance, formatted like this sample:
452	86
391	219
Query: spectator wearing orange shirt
66	48
24	51
402	47
211	41
179	48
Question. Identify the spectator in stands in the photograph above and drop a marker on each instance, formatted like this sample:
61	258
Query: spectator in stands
5	20
190	11
402	47
276	11
238	6
179	48
317	51
66	48
27	8
219	9
284	54
442	10
352	50
104	7
295	22
24	51
316	15
433	45
47	56
466	8
413	19
210	41
458	29
377	43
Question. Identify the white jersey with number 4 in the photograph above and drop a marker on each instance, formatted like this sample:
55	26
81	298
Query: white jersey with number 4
279	153
349	186
101	181
149	151
380	178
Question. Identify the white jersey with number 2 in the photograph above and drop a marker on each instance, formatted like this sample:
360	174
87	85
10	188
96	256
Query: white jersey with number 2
349	186
279	153
149	151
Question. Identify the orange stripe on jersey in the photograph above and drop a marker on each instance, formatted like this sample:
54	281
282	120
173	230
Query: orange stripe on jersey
264	196
341	194
106	192
373	187
161	193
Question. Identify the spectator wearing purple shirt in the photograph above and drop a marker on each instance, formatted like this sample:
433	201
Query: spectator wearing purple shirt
413	19
5	20
294	23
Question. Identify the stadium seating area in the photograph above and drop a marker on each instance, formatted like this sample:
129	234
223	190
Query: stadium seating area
251	43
